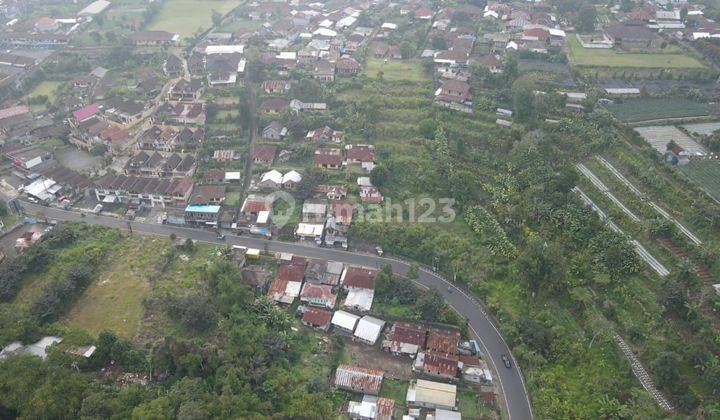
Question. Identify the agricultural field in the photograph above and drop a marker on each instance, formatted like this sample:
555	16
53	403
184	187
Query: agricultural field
668	59
706	174
636	110
396	70
187	17
702	128
660	135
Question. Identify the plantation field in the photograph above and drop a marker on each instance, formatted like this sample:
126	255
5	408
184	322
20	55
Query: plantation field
706	174
186	17
636	110
396	70
610	58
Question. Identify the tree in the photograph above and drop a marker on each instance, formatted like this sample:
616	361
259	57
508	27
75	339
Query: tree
430	305
98	149
439	43
216	18
586	18
406	50
665	369
523	94
312	177
379	175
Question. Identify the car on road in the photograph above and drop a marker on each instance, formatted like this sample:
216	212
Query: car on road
506	361
221	237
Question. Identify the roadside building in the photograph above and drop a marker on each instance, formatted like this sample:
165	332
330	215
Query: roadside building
443	341
202	214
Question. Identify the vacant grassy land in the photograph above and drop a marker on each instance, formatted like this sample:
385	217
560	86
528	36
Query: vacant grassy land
186	17
396	70
114	301
45	88
653	109
706	174
611	58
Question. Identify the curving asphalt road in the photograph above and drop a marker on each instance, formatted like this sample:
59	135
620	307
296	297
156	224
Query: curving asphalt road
516	400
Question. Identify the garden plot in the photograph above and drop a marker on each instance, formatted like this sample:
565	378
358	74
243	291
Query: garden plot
642	196
705	173
660	135
651	109
702	128
639	249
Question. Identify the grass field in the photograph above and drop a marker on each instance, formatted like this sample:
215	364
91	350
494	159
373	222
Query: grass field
46	88
114	301
396	70
610	58
706	174
186	17
635	110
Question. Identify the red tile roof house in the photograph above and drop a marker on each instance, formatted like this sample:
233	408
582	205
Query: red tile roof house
214	176
360	154
347	66
454	91
273	106
358	379
443	341
254	204
264	154
276	86
405	339
535	34
318	295
358	277
83	114
328	158
317	318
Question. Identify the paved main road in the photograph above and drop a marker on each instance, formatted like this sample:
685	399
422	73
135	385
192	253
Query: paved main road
516	401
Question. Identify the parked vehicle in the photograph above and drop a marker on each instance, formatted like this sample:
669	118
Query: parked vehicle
98	209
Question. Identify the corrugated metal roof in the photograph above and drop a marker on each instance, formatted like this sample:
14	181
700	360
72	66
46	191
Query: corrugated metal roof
358	379
345	320
369	328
